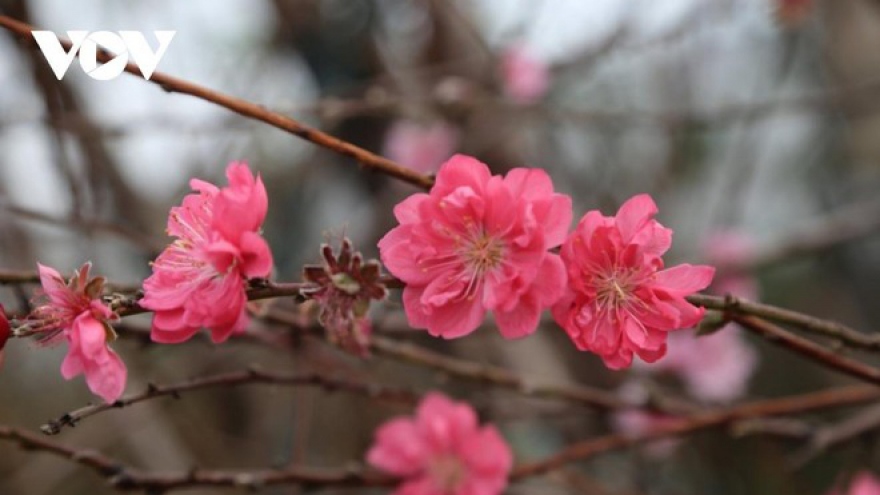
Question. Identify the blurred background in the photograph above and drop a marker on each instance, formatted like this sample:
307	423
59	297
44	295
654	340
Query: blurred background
753	123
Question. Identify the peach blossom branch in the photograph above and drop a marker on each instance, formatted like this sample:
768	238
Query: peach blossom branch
251	110
233	379
123	477
808	348
798	404
818	326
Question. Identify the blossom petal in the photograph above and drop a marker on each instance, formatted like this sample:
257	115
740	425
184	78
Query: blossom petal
684	279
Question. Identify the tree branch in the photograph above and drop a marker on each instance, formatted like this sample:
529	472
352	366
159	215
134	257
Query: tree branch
251	110
232	379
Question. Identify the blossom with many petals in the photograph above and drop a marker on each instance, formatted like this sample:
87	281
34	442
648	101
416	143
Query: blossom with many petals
199	280
477	243
74	310
442	451
423	147
864	483
620	301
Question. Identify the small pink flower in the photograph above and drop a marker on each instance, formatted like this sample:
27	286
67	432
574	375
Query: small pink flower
477	243
442	451
199	280
619	299
74	310
864	483
526	78
422	147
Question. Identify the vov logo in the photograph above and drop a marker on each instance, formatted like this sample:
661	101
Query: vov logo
122	45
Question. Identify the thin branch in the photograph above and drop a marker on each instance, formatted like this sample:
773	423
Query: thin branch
497	376
233	379
826	437
78	223
251	110
838	331
799	404
124	477
810	349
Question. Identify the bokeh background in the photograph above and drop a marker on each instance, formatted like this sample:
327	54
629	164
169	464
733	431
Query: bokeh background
750	121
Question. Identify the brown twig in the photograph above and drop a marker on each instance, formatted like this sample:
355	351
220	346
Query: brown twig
810	349
124	477
497	376
74	222
826	437
233	379
838	331
251	110
798	404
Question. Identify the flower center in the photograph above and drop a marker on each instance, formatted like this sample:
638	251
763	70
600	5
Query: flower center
614	290
447	472
484	253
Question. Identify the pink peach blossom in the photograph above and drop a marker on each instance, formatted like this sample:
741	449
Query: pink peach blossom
864	483
619	299
423	147
199	280
74	310
442	451
479	243
526	78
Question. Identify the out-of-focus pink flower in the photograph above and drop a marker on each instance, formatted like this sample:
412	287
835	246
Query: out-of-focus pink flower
442	451
635	423
730	251
5	332
74	310
619	299
714	367
526	78
864	483
477	243
422	147
199	280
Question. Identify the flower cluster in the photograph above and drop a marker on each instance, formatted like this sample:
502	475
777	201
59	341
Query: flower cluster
200	279
480	242
74	311
442	450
